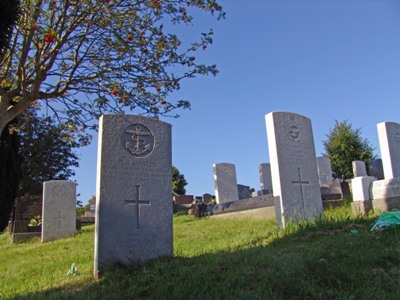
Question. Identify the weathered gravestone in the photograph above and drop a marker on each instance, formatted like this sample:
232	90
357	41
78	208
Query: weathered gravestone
264	171
134	191
295	180
25	209
359	169
226	189
59	210
389	142
324	170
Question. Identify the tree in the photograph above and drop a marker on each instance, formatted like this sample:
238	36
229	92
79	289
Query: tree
345	145
8	17
178	182
46	152
9	175
84	58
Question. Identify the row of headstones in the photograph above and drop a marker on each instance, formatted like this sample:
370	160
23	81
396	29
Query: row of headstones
382	193
57	208
134	207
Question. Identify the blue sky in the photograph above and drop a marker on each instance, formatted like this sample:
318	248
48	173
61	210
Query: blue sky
327	60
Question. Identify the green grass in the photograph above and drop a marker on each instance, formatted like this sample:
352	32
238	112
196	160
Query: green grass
337	257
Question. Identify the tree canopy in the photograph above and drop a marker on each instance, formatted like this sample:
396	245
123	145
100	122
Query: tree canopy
85	58
343	145
46	152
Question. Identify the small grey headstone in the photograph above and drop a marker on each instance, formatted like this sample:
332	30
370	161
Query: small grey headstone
324	170
265	176
134	191
389	143
59	210
295	180
225	182
359	168
244	191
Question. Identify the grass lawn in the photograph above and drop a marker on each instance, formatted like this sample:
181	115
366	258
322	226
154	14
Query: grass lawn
334	258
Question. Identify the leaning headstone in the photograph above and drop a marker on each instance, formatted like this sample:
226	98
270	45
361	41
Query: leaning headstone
376	169
134	191
295	180
226	189
265	176
207	198
324	170
389	142
59	210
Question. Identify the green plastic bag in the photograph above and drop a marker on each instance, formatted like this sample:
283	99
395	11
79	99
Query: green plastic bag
386	220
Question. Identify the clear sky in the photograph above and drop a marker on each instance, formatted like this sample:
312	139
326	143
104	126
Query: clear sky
327	60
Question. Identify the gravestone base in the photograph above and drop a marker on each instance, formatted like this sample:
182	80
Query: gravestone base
326	204
360	208
386	204
16	237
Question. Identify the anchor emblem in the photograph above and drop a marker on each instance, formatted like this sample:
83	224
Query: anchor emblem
141	141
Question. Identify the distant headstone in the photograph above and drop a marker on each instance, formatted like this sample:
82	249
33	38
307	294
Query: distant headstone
134	192
295	180
207	198
59	210
244	191
376	169
225	182
25	209
324	170
389	142
183	199
265	176
359	168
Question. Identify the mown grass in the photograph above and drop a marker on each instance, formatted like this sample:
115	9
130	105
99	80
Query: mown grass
337	257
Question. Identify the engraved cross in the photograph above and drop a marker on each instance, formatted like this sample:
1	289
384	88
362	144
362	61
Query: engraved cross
59	220
137	202
301	182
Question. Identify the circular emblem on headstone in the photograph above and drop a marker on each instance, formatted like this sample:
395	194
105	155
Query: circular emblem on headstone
138	140
294	132
59	191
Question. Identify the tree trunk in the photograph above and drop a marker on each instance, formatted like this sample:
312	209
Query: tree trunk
9	174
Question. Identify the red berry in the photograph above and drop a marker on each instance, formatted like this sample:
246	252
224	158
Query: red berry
107	1
129	37
34	26
114	92
49	38
11	132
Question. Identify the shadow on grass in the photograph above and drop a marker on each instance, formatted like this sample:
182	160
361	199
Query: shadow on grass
329	260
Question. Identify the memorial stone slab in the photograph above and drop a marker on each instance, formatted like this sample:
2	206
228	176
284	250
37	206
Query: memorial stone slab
389	142
265	176
359	168
226	189
294	171
324	170
59	210
376	169
25	209
134	192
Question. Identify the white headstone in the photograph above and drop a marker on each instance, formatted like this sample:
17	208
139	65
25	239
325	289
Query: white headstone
265	176
226	189
134	191
389	141
59	210
324	170
295	181
359	168
361	187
